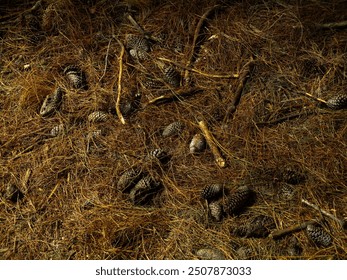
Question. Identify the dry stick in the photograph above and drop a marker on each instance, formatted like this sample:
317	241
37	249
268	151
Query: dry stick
341	222
222	76
173	96
119	88
340	24
315	98
243	79
106	59
282	232
196	35
210	141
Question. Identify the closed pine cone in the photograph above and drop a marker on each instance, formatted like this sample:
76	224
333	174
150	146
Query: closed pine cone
212	192
198	144
318	235
144	191
216	210
238	200
129	179
337	102
172	129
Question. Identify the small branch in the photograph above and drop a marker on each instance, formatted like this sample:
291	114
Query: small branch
135	24
195	39
315	98
341	222
243	80
282	232
119	87
210	141
173	96
340	24
221	76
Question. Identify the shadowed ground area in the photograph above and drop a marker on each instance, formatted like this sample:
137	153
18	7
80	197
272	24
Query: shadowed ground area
89	168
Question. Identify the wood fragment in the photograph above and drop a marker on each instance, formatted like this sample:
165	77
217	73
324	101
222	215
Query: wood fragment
341	222
340	24
119	86
282	232
211	143
175	95
315	98
244	75
195	46
221	76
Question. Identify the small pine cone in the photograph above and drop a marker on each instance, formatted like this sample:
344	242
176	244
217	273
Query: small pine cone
172	129
171	76
137	42
96	133
212	192
238	200
131	105
287	192
318	235
337	102
292	176
244	253
152	83
144	191
160	155
57	130
52	103
75	76
294	248
129	179
13	193
138	54
198	144
98	116
210	254
216	210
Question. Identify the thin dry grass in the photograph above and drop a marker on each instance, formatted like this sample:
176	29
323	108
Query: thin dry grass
72	209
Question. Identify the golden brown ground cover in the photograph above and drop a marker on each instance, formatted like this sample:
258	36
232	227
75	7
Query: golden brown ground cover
282	144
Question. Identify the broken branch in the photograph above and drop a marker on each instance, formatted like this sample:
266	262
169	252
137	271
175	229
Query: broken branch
210	141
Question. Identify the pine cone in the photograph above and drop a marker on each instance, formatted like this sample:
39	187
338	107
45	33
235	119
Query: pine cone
210	254
238	200
198	144
98	116
144	191
52	103
172	129
337	102
212	192
292	176
160	155
137	42
57	130
171	76
76	77
129	179
216	210
318	235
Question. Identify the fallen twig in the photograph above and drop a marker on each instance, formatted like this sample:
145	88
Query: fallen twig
340	24
211	143
244	75
119	85
176	95
195	46
341	222
222	76
282	232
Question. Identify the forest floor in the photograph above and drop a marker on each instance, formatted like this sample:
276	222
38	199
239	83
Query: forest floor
258	74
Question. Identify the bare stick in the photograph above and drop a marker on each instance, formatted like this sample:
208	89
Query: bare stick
315	98
243	79
119	88
176	95
222	76
340	24
282	232
196	36
210	141
341	222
